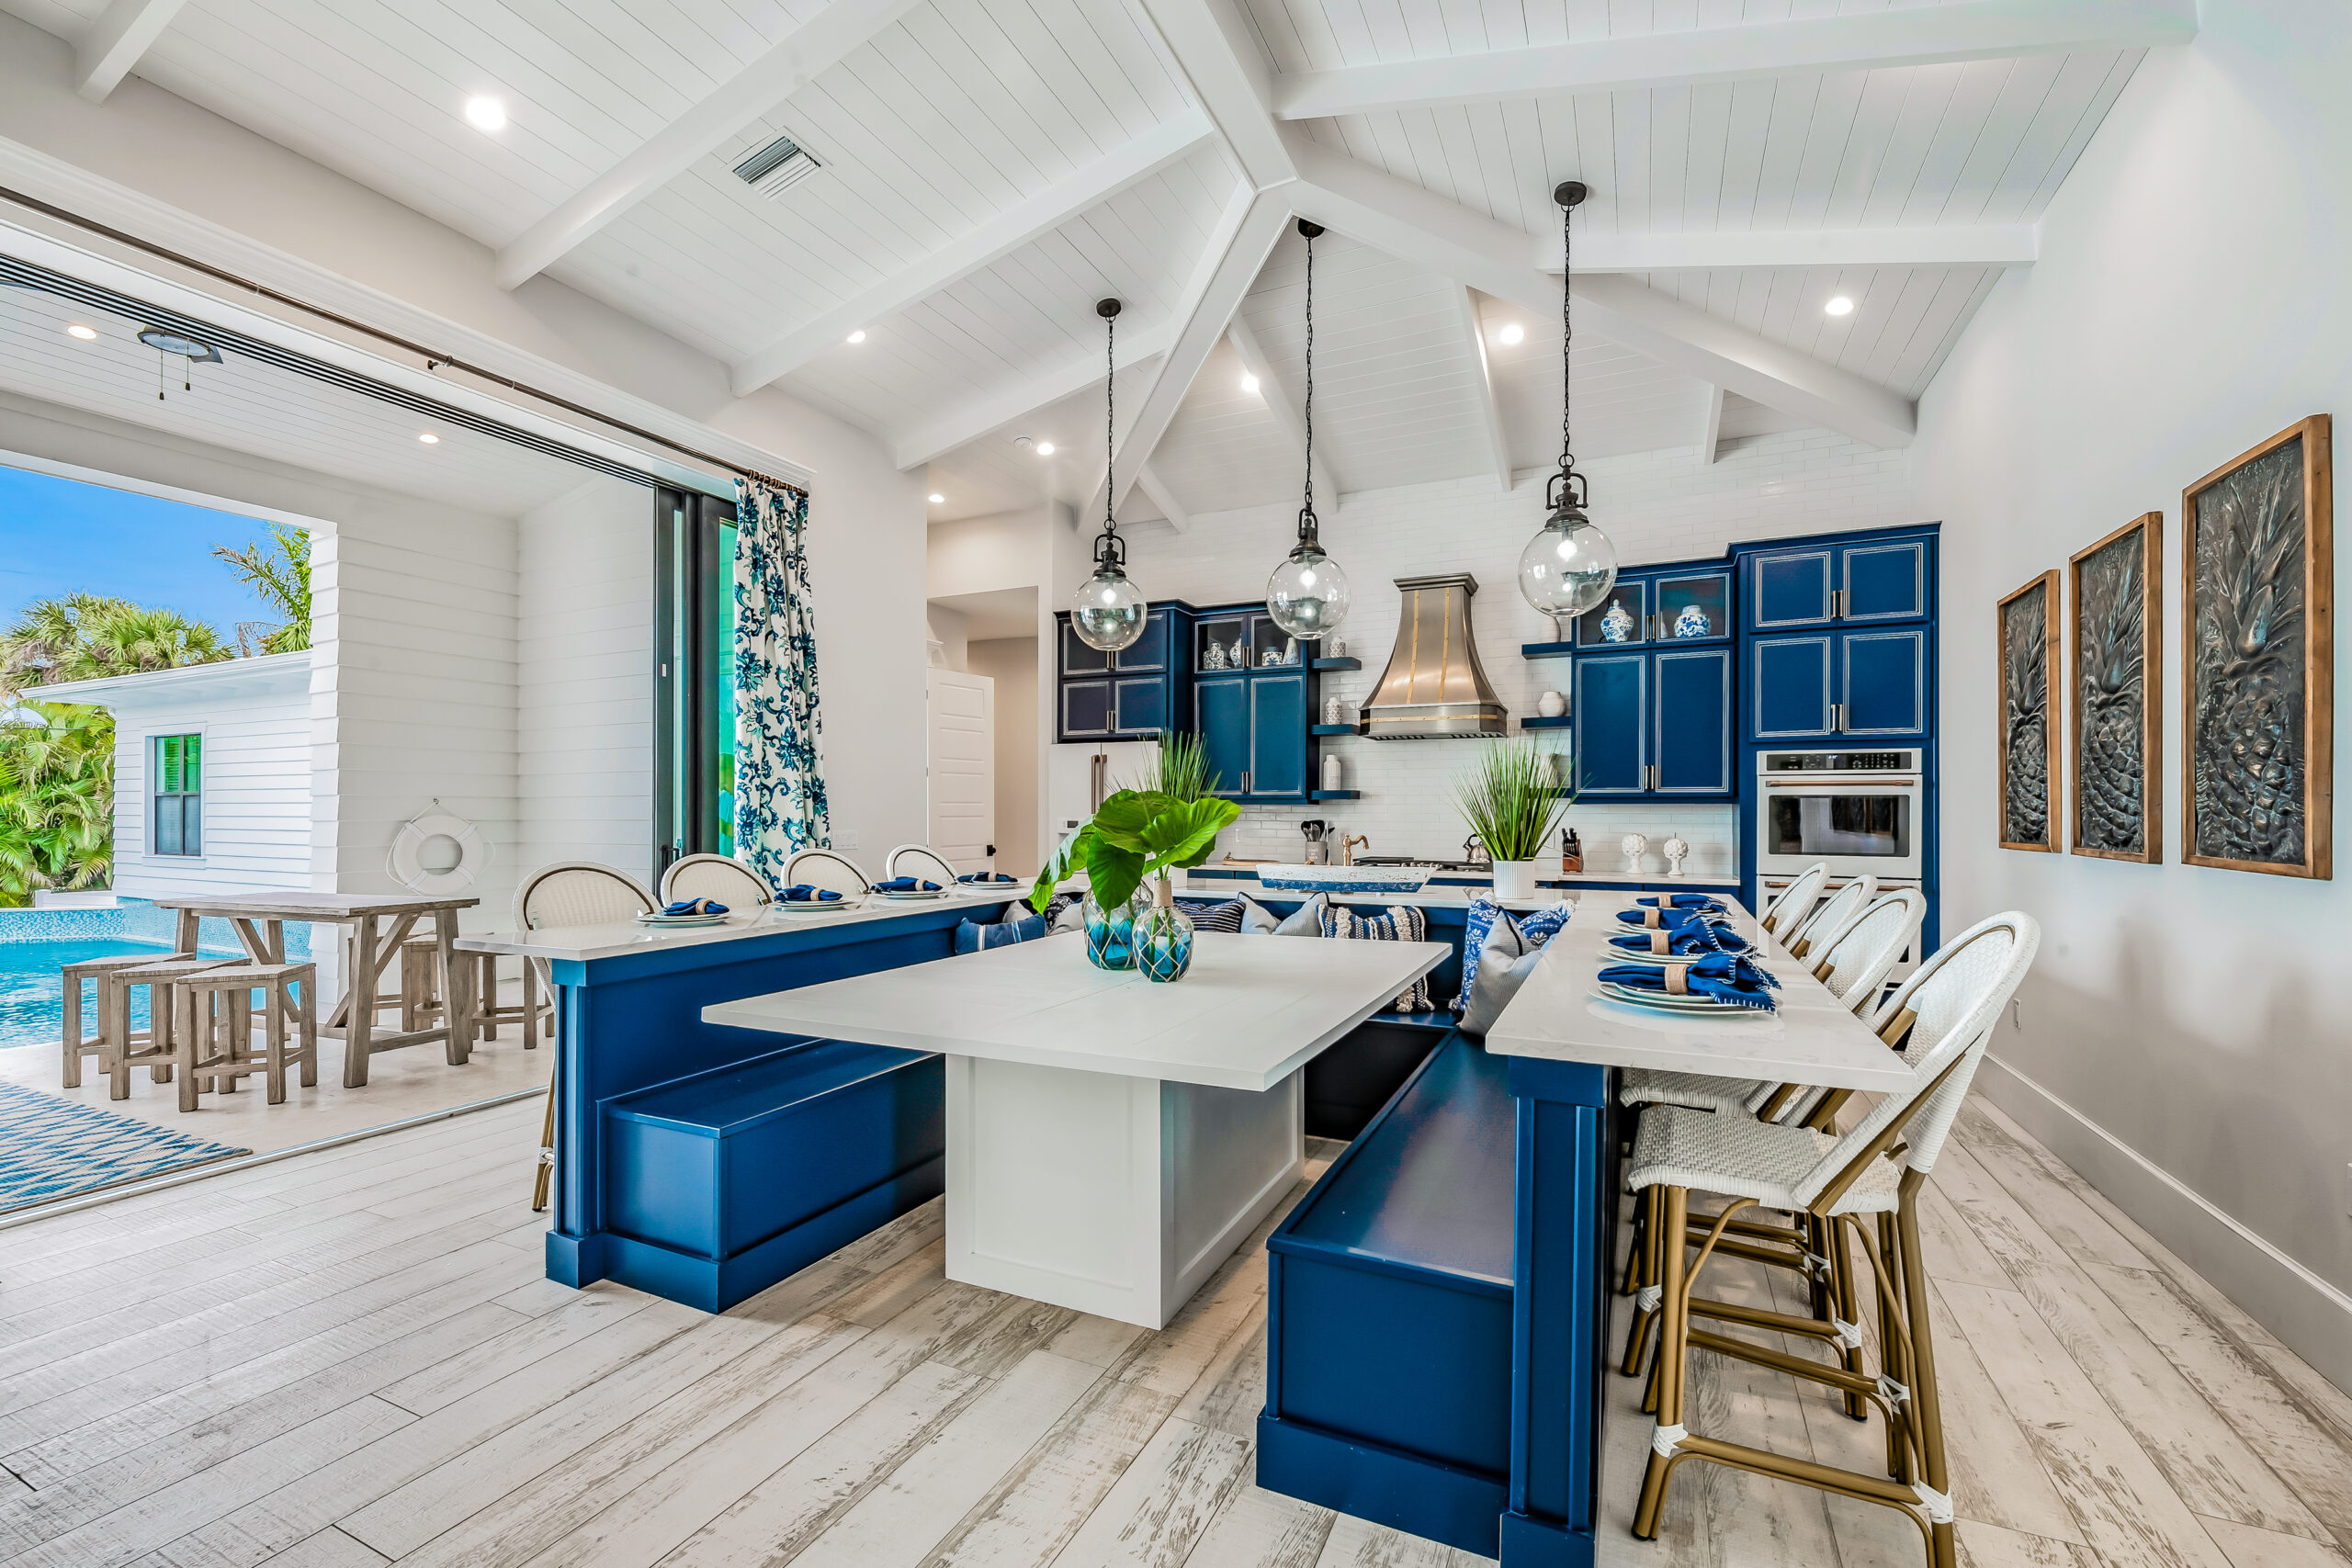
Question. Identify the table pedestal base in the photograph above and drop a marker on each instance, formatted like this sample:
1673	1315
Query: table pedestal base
1117	1196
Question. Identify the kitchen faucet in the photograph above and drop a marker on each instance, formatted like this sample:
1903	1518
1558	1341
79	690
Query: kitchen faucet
1347	847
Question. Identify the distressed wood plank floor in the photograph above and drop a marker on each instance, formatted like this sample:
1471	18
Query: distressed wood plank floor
352	1358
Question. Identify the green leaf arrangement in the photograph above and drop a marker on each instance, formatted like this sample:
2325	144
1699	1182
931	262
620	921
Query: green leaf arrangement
1510	800
1135	835
1183	768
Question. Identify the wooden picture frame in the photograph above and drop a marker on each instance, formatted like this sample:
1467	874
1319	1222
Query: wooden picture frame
2027	659
2115	695
2257	732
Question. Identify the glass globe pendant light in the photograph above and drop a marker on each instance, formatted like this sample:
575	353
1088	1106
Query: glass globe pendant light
1307	594
1570	566
1108	609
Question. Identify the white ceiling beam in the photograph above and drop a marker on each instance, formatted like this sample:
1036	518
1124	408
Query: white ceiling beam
1482	388
116	42
976	249
1998	244
1148	481
1417	225
1968	30
786	67
1710	424
1230	77
1229	264
1272	388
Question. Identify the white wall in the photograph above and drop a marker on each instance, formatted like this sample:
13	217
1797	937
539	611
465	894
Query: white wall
256	809
2185	1042
584	678
1011	663
1655	506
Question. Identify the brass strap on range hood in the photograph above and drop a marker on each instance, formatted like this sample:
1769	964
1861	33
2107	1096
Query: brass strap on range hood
1434	688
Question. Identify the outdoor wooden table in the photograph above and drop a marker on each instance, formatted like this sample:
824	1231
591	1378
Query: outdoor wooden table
259	919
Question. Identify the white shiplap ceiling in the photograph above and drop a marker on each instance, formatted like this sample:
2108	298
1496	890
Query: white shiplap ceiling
992	168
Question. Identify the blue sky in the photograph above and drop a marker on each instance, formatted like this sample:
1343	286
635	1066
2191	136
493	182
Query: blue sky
60	536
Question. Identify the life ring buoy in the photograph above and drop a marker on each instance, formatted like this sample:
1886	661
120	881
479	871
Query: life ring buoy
438	852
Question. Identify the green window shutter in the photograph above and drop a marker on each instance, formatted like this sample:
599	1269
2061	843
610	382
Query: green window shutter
168	764
192	766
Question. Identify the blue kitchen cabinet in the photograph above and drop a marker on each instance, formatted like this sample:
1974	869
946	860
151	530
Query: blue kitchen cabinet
1134	693
1085	711
1690	742
1692	606
1610	704
1821	685
1280	764
1077	657
1149	652
1823	584
1623	616
1221	718
1139	705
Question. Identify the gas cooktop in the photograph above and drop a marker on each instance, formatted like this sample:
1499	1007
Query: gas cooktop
1422	860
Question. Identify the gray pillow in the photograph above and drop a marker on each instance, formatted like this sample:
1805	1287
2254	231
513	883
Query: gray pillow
1504	964
1256	918
1307	920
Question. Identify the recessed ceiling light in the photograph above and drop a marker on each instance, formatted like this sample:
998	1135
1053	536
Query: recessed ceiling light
1839	306
486	113
430	439
1511	335
1248	382
937	498
88	335
1045	448
858	337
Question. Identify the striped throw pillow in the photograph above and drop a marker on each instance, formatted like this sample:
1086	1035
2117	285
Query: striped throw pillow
1398	922
1211	917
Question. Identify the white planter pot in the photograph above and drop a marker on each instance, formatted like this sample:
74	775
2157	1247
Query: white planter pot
1515	879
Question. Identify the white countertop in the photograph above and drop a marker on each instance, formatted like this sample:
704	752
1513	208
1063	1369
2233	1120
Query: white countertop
1428	897
1712	882
1813	1039
1251	1012
580	943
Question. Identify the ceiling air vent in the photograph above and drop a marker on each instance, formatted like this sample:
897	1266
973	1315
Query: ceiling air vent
777	166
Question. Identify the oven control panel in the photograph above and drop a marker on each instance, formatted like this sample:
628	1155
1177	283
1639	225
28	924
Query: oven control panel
1838	762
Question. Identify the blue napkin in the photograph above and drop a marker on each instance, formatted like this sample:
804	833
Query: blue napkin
986	877
808	892
695	906
905	884
1706	901
1725	977
1700	933
1668	918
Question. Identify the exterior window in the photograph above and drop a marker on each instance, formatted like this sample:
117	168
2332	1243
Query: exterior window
177	787
694	676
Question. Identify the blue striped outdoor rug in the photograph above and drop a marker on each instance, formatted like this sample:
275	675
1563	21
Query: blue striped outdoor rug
52	1149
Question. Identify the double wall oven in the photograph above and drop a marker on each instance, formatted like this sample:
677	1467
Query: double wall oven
1863	812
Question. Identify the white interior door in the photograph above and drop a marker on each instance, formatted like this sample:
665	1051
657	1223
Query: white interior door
962	769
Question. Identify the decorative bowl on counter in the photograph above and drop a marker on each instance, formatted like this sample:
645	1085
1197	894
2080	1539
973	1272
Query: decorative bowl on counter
1344	879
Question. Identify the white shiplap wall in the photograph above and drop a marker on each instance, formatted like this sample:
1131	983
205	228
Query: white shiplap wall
1657	507
584	688
256	795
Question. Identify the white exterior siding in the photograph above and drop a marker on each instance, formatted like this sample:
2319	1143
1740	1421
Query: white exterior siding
585	679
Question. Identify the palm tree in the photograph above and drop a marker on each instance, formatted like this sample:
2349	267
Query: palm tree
279	574
56	799
83	636
135	638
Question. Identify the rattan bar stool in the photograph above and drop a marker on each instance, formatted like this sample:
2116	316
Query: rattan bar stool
94	972
1948	1010
1785	913
573	893
127	1048
216	1043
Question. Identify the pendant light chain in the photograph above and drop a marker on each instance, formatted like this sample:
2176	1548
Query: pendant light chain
1307	517
1567	331
1109	418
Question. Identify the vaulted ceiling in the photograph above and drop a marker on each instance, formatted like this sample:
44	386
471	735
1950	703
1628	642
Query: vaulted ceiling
992	167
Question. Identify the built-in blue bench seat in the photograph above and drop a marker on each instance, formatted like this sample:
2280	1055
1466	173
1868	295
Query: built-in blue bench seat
720	1184
1389	1313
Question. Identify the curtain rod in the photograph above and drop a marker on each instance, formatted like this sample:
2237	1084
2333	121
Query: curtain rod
434	359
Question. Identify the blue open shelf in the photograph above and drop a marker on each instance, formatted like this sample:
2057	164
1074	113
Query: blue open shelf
1338	729
1338	794
1539	722
1349	663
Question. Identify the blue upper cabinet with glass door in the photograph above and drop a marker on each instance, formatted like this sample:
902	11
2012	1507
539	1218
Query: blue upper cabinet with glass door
1134	693
1253	705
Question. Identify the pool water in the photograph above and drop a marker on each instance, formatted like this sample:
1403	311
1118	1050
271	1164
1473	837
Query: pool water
32	999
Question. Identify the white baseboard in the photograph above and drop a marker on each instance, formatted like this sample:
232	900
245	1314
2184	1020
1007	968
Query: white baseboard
2308	1314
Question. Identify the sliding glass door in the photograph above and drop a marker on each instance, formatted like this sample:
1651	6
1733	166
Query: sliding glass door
693	639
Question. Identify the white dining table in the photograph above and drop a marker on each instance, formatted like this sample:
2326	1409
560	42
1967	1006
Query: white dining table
1812	1038
1109	1140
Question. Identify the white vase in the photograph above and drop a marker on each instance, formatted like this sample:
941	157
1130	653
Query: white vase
1334	775
1551	704
1514	879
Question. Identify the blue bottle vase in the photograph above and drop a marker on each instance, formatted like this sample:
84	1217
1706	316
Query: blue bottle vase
1110	933
1163	942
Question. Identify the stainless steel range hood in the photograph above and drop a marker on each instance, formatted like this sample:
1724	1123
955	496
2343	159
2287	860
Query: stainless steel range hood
1433	688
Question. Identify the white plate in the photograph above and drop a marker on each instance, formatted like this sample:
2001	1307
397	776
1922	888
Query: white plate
912	896
1617	955
682	920
814	907
1662	1002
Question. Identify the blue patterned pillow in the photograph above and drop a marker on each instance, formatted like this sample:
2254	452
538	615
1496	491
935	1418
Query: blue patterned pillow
1208	916
1535	927
971	936
1398	922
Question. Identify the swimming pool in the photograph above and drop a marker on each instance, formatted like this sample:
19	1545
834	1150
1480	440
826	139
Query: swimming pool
35	942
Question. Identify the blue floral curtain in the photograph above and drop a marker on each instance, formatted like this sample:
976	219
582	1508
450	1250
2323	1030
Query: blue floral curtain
779	740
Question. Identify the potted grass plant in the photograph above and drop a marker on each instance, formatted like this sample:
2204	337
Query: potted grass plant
1134	836
1512	802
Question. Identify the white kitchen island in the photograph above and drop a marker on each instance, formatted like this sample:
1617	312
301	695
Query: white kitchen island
1109	1140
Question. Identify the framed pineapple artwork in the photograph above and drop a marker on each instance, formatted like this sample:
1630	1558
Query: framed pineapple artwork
2030	755
2115	684
2258	704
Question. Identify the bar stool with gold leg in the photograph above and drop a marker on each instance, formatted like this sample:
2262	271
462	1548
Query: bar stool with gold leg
1856	1181
576	893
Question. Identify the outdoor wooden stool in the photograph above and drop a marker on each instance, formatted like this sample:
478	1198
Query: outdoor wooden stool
125	1049
422	983
77	1044
216	1041
535	1011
